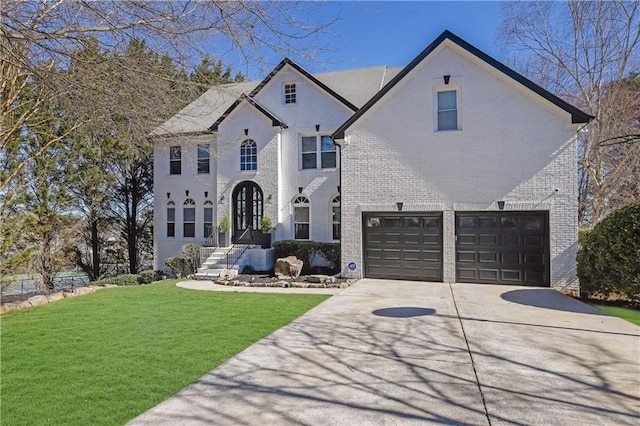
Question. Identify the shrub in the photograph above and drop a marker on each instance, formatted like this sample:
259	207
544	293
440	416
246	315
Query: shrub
609	259
177	265
120	280
191	252
147	277
304	250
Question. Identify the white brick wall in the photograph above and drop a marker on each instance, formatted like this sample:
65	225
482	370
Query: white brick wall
513	146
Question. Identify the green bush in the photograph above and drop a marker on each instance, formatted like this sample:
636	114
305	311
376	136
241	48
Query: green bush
178	266
120	280
147	277
609	258
304	250
191	252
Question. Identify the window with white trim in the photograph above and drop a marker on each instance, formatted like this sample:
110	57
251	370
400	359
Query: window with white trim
208	218
204	156
175	160
171	219
189	218
301	218
335	217
318	152
248	155
447	113
289	93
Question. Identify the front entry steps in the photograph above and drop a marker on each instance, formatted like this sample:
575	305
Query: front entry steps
216	263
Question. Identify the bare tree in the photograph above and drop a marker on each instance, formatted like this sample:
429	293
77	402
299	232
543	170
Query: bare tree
583	51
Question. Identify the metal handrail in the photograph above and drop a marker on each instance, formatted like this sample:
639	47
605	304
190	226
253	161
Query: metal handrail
237	249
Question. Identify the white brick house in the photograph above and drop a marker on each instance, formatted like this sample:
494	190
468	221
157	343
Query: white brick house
454	168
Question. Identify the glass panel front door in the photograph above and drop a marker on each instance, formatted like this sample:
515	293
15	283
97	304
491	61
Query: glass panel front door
247	209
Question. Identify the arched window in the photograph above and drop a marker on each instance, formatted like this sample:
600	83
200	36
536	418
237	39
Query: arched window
171	219
248	155
189	218
335	217
301	220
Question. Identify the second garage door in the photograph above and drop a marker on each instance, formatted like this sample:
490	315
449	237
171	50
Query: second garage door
403	246
502	248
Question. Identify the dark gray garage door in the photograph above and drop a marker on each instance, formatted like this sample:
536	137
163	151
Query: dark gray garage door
503	248
403	246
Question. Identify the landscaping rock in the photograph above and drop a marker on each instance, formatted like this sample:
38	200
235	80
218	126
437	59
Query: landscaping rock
55	296
322	279
38	300
315	285
288	267
84	290
299	285
228	274
70	294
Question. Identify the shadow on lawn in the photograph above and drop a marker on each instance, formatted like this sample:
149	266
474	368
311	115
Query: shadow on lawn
411	366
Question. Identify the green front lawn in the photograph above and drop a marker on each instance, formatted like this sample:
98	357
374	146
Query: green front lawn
630	315
106	357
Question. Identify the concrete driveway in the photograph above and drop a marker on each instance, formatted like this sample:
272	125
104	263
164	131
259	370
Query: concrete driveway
402	353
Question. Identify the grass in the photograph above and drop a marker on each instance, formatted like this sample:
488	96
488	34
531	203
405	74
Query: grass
631	315
106	357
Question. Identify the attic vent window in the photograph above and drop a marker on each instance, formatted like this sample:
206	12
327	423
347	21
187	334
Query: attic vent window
289	93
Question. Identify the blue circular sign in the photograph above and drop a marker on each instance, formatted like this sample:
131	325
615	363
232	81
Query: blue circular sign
352	266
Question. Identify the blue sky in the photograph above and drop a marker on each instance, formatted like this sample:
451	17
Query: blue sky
392	33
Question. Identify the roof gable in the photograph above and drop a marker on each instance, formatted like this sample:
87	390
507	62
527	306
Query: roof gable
577	116
275	122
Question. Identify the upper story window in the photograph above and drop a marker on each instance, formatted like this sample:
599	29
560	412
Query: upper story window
317	152
248	155
447	101
301	220
203	159
289	93
175	160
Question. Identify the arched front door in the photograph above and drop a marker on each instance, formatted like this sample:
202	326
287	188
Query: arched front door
247	209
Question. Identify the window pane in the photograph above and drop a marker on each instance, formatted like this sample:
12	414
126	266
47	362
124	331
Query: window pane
308	144
302	214
189	229
203	166
447	100
302	231
336	231
175	153
328	159
208	230
203	151
171	229
448	120
208	214
336	214
175	167
171	215
189	215
309	161
327	144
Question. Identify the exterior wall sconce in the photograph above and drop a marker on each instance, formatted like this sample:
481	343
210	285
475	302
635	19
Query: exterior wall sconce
222	200
246	132
400	205
206	194
300	190
446	78
501	205
186	193
317	127
269	199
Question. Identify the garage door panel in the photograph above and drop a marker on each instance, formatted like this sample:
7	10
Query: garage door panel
502	248
403	245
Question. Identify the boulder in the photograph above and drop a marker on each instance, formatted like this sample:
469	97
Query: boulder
55	296
321	279
299	285
319	260
288	267
38	300
228	274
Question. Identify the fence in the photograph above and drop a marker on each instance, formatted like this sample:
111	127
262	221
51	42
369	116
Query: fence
22	284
